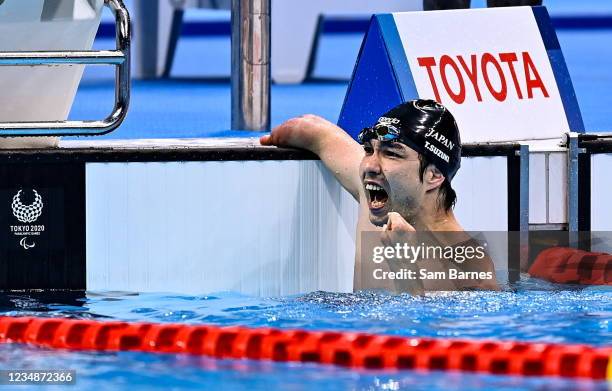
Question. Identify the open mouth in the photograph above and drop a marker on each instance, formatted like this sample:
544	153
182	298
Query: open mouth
377	196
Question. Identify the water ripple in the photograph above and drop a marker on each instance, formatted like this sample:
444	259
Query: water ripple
533	311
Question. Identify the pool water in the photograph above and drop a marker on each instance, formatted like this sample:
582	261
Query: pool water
532	311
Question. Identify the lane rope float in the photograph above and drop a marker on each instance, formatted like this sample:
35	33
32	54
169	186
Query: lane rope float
349	349
567	265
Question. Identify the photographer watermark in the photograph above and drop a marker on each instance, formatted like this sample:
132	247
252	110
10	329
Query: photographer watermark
411	254
425	261
418	262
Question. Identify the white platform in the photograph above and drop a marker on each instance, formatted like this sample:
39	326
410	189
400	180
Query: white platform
257	227
601	194
547	183
43	93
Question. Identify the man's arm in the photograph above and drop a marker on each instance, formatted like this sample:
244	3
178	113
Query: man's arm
336	149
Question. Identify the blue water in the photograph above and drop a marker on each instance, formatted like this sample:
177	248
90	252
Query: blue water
534	311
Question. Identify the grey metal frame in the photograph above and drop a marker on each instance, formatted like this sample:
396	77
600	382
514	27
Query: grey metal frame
517	156
573	190
514	271
582	147
120	58
524	192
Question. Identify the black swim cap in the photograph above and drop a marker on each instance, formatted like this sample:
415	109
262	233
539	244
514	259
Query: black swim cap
425	126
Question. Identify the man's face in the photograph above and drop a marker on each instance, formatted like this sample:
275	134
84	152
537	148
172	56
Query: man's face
390	176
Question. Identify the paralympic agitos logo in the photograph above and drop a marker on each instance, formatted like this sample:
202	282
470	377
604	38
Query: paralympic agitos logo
27	213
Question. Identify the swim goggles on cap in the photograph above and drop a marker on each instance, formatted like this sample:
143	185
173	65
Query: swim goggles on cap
381	132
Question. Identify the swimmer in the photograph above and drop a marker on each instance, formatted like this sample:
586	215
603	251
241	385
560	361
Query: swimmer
400	174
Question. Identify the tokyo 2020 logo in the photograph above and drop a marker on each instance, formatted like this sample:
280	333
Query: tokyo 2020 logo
27	213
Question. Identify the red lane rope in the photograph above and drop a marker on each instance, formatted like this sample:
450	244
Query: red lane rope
357	350
567	265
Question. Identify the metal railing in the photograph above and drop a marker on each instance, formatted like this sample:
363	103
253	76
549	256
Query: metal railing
581	148
251	64
120	58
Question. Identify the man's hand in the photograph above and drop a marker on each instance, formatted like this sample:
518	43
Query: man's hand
397	230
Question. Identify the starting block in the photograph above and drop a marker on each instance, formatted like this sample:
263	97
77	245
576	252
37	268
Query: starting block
500	71
43	61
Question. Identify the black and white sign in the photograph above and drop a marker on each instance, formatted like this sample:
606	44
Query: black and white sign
42	226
